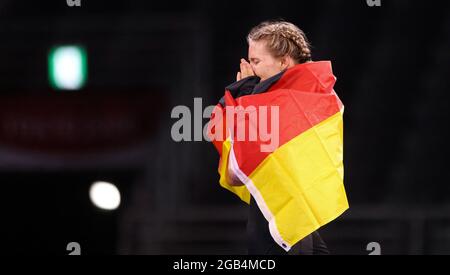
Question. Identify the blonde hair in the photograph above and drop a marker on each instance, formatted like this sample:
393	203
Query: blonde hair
283	39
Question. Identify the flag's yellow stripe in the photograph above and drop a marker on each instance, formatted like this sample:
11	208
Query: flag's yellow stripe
301	183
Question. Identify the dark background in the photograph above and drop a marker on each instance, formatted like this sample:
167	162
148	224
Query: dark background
146	57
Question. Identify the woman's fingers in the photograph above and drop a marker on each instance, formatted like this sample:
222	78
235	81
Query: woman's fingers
249	68
245	64
246	69
243	69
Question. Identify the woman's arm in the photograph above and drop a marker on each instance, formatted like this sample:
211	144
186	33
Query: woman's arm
246	72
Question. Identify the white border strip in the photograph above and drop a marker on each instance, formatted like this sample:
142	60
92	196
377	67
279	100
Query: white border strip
259	199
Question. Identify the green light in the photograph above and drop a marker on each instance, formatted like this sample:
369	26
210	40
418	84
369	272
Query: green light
67	67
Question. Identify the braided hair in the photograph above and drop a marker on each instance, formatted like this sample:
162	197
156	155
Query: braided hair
283	39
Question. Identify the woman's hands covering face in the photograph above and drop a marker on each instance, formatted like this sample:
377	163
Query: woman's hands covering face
246	70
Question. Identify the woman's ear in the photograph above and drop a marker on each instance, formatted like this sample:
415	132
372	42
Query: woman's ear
284	63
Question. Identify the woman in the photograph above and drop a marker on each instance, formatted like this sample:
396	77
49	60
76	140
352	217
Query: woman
277	54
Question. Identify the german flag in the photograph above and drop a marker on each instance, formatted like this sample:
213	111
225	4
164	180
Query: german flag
298	185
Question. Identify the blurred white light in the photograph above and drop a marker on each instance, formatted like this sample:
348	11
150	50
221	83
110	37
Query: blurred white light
105	195
67	67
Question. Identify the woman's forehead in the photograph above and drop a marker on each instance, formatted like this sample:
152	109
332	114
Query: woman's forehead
257	49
